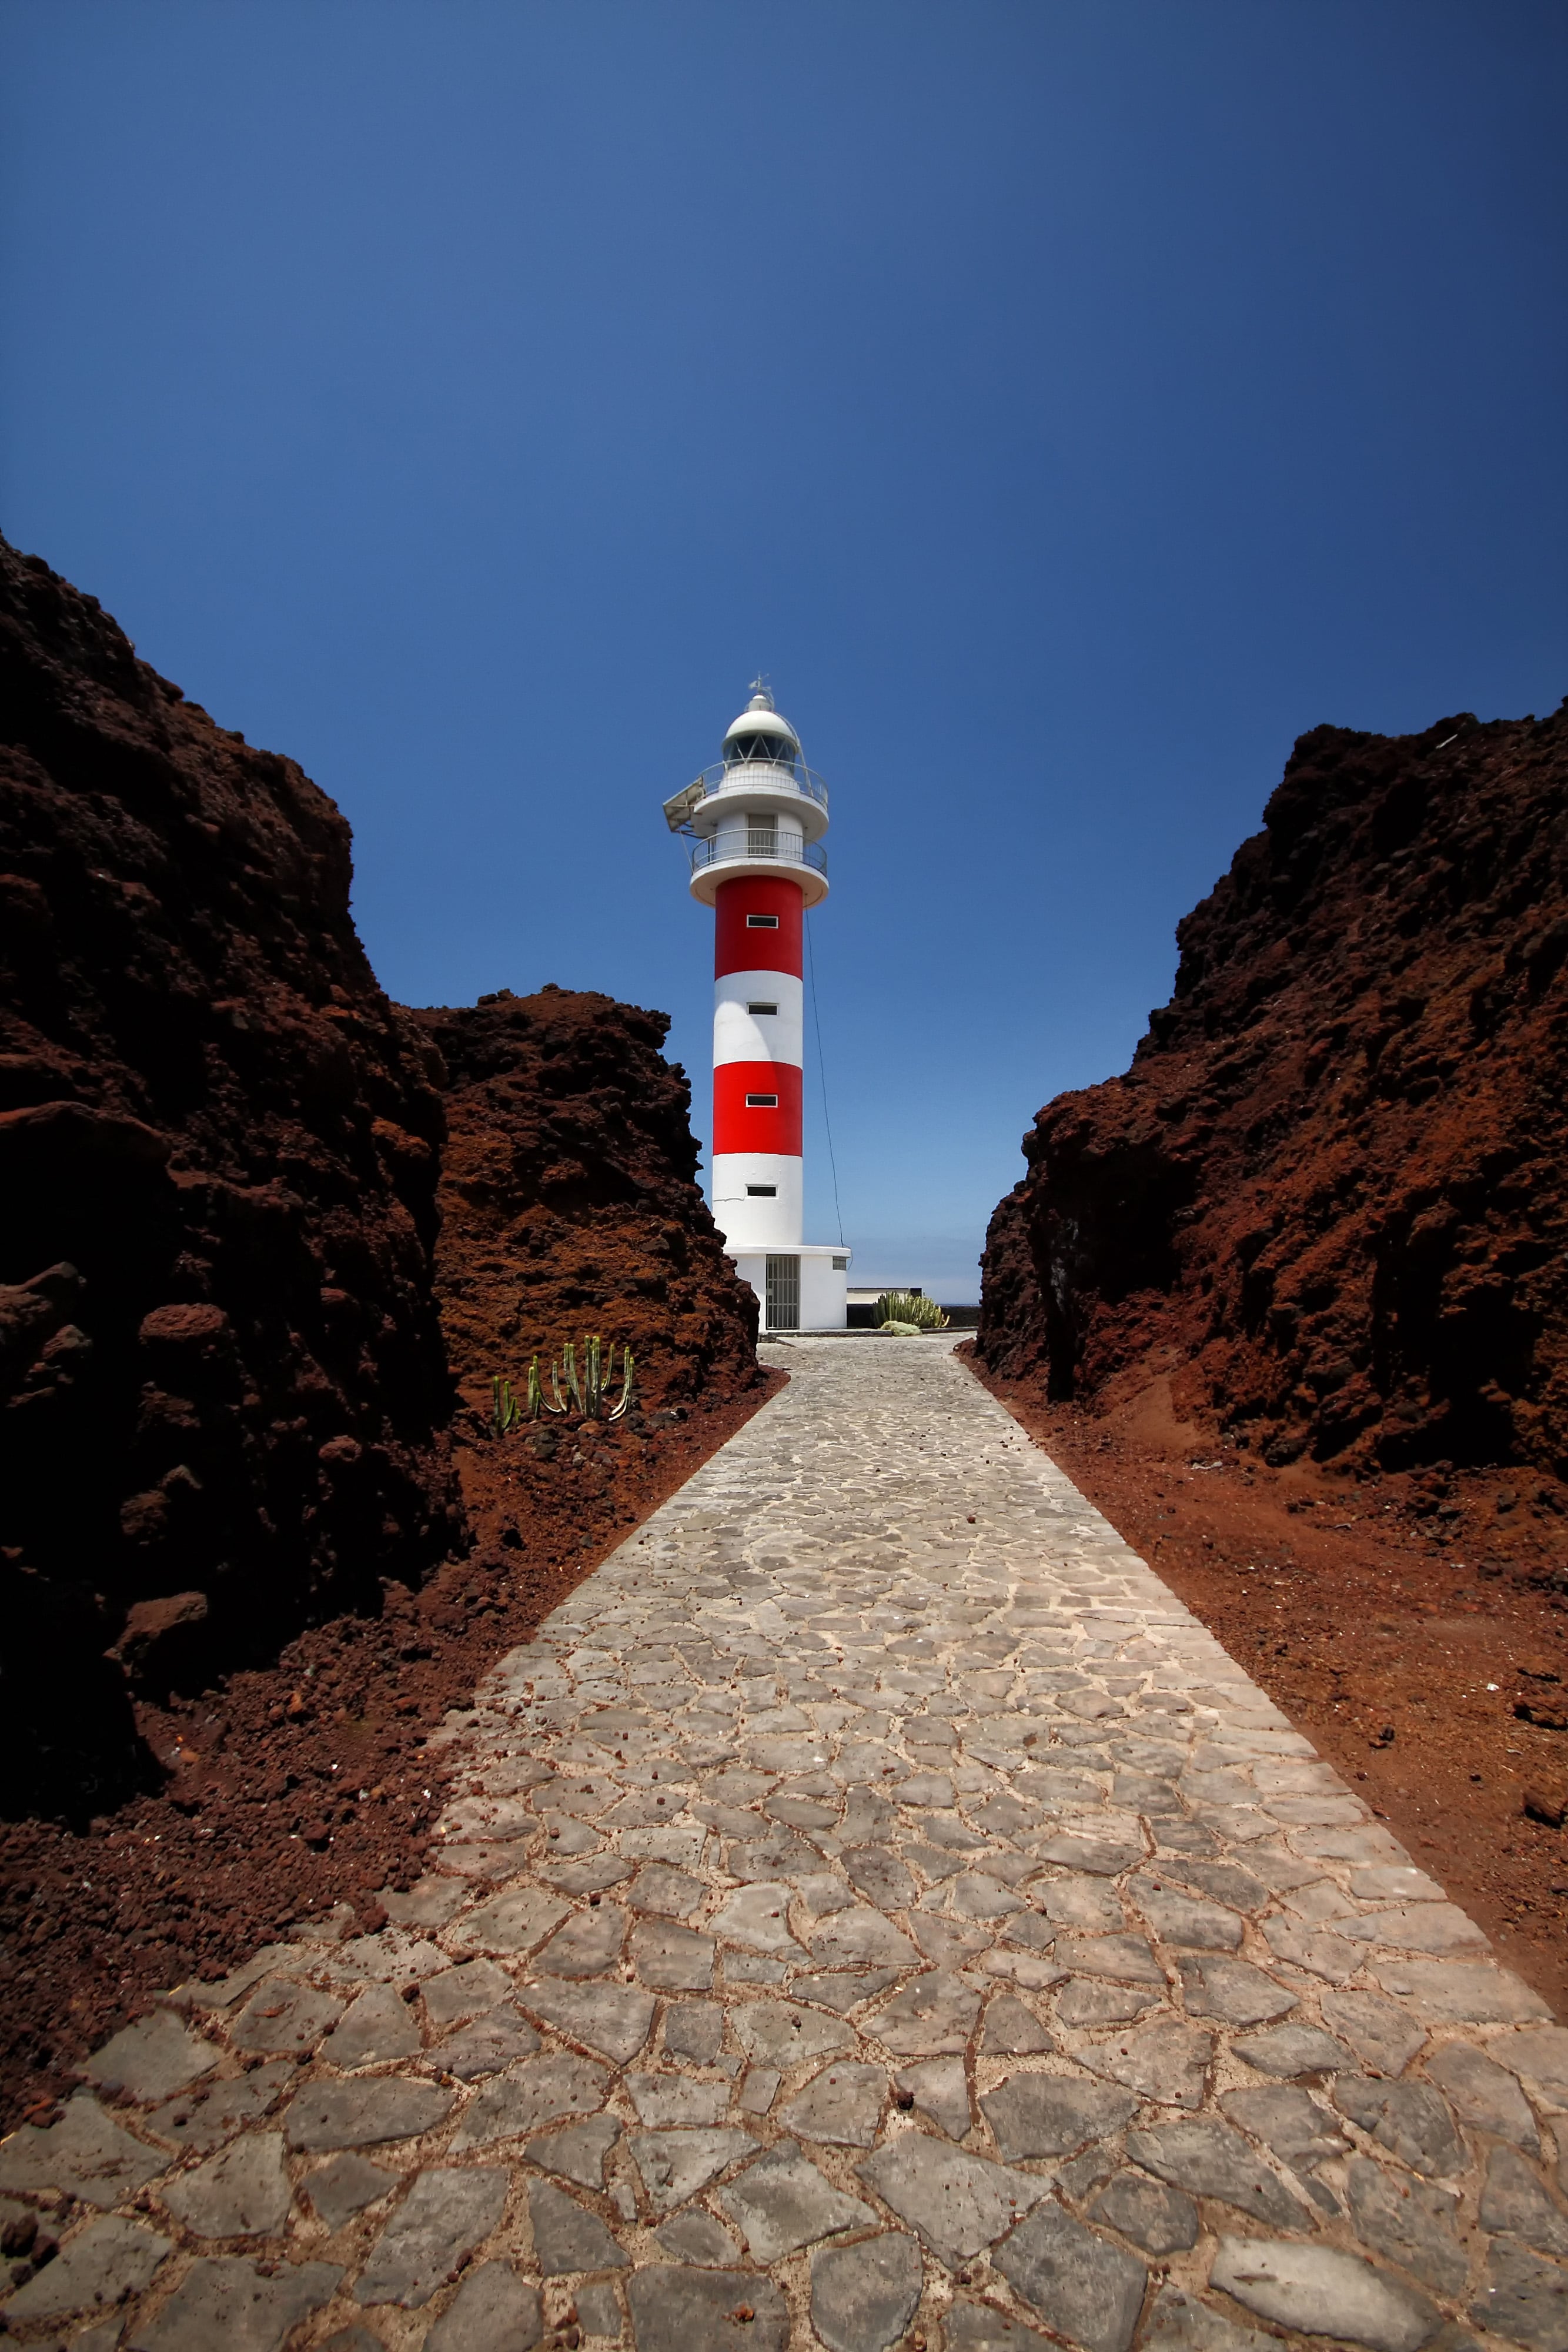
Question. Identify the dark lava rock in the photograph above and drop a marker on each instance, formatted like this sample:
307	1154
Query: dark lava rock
222	1388
1328	1198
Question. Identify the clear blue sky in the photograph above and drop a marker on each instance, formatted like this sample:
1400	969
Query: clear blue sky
1065	405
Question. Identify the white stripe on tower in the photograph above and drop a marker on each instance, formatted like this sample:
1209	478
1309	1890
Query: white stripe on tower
757	1016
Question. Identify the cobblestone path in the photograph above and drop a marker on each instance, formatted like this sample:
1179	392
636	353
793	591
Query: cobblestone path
872	1912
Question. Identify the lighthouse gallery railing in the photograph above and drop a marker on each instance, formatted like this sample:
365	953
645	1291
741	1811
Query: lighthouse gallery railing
767	775
741	847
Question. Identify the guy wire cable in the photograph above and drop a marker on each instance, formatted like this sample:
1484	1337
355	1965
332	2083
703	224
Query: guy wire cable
822	1073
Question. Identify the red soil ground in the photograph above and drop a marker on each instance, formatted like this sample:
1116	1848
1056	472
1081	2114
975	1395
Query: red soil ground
1416	1628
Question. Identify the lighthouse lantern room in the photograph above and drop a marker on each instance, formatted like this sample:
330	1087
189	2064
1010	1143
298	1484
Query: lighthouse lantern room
754	826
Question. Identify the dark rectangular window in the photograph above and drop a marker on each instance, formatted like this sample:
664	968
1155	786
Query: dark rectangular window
762	922
762	1192
762	1008
841	1264
761	1102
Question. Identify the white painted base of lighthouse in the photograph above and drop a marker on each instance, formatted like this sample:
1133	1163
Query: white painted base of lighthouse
757	1200
801	1289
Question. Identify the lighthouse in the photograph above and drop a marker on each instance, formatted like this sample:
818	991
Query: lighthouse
754	827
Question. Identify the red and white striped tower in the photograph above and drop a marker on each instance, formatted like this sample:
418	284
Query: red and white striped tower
755	824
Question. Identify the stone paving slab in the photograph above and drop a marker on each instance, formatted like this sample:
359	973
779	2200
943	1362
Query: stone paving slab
872	1911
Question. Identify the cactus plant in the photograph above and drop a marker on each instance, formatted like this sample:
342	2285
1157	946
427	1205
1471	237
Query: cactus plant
568	1366
910	1308
506	1413
589	1390
618	1409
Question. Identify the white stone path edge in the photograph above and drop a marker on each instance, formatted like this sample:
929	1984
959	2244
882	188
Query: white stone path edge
872	1911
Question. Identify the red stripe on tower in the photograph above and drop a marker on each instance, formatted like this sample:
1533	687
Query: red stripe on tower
758	922
757	1107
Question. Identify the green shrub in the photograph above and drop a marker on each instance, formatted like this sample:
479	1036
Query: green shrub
910	1308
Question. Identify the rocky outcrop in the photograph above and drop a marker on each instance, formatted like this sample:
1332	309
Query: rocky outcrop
223	1390
569	1202
1327	1201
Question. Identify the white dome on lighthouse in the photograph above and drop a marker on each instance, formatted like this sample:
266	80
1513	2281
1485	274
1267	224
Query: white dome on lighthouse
760	733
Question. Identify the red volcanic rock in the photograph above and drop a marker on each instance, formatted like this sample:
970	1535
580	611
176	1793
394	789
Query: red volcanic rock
220	1366
570	1203
1328	1199
224	1405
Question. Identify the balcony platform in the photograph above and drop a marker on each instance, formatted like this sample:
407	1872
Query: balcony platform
727	856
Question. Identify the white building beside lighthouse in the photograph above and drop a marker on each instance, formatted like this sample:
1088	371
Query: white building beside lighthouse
755	823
